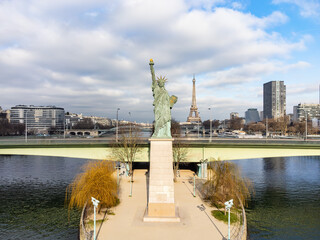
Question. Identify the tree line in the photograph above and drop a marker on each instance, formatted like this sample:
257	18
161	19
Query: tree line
9	129
281	126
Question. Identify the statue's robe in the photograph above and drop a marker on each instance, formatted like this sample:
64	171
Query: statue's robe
162	112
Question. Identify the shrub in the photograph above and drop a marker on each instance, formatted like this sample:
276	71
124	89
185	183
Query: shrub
96	181
225	182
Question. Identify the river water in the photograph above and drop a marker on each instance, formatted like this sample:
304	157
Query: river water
32	191
286	204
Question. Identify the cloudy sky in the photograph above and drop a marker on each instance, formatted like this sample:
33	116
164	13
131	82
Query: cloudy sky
91	56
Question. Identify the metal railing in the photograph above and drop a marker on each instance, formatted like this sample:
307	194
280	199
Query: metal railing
84	234
239	229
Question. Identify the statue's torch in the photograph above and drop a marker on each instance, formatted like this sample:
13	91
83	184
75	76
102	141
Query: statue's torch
152	70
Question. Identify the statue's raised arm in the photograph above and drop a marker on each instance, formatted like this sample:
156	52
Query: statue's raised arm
162	104
152	74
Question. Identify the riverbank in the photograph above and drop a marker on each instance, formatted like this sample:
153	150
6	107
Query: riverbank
196	221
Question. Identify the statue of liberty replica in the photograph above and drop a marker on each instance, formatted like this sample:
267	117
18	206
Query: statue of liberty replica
162	106
161	206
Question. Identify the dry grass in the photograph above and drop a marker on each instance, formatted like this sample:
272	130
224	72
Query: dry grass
96	181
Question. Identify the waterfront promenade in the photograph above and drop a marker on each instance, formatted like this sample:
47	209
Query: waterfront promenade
127	223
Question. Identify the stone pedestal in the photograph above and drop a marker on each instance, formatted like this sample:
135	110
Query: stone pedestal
161	205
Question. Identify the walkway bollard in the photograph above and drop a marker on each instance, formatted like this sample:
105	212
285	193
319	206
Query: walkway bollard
229	204
95	203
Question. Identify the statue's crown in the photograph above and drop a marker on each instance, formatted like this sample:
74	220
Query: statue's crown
161	79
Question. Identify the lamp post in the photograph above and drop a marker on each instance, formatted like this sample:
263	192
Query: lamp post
130	195
210	125
117	124
95	203
130	123
26	125
199	127
228	205
194	185
306	126
64	125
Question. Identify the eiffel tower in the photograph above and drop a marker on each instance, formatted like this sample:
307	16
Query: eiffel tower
193	108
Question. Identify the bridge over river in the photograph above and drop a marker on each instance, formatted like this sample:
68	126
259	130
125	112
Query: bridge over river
198	150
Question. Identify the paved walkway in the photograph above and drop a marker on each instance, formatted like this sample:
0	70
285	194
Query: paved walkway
127	223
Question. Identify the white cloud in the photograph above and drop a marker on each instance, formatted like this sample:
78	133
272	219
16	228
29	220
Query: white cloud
248	73
275	18
92	14
308	8
204	4
53	52
237	5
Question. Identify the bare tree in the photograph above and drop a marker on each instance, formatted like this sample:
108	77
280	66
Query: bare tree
236	124
8	129
180	152
128	146
255	127
225	182
179	149
292	130
283	124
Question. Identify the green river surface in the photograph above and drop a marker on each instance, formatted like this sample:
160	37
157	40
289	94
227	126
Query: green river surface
32	192
286	204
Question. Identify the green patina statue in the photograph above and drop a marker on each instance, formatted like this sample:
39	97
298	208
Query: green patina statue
162	104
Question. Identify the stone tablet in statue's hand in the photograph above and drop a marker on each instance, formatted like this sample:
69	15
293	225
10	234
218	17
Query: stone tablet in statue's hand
173	100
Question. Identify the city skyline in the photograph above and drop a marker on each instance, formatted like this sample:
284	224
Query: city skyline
92	57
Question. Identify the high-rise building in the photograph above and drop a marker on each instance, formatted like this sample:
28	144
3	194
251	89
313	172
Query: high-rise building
274	99
261	115
252	115
38	118
311	110
295	113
